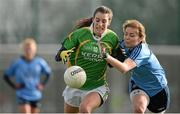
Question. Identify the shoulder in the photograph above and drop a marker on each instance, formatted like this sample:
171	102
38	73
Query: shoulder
17	61
135	52
83	29
140	51
80	31
145	49
38	58
112	33
42	62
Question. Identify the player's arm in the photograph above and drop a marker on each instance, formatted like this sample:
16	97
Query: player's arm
117	51
123	67
10	72
58	57
45	80
63	53
46	72
133	60
119	54
11	84
68	47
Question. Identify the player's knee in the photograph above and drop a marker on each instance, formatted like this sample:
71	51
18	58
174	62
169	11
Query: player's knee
139	109
84	108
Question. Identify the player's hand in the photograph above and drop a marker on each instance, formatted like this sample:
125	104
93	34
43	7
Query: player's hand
104	53
120	54
19	86
65	54
40	86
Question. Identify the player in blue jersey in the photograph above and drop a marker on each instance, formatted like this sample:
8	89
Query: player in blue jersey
148	84
27	71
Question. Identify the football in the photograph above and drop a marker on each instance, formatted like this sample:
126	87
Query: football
75	77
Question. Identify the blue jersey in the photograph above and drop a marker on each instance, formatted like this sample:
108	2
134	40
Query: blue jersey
148	74
28	73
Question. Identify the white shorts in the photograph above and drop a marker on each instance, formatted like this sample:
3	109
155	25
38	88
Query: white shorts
73	97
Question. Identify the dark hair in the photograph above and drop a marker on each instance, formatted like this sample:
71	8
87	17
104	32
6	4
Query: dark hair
85	22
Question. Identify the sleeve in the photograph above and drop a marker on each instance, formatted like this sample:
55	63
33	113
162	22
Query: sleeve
113	45
111	42
10	71
69	42
57	57
45	68
114	41
138	56
9	82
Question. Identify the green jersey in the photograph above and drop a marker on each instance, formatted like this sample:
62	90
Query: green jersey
87	54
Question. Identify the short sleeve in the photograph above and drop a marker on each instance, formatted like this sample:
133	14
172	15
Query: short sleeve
139	55
71	41
111	41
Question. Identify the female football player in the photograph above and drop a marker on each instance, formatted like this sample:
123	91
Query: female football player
84	44
148	83
27	71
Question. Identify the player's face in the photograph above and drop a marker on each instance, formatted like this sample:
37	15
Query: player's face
131	37
100	23
29	51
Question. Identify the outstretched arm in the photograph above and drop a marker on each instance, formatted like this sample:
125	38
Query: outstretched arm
123	67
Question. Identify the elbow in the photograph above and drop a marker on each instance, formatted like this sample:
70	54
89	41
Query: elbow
57	58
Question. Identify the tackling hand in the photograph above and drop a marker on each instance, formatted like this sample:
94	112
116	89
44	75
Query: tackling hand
104	53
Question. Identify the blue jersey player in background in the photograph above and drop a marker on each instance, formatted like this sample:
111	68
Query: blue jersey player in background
148	84
28	83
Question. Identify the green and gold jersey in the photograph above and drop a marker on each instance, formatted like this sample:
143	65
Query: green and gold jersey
87	54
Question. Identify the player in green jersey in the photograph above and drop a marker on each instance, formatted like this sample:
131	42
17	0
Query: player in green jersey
83	48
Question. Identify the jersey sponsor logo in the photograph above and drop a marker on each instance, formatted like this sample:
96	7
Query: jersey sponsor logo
91	48
91	52
92	56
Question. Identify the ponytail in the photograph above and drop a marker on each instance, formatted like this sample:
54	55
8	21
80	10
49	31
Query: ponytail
84	22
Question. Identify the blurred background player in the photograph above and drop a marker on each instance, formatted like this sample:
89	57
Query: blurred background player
27	71
148	84
83	48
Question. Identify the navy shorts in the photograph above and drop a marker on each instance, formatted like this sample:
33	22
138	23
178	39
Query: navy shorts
34	104
159	102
